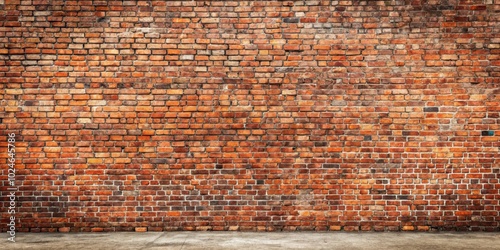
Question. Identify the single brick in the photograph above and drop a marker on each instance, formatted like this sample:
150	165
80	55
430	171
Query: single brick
328	165
291	20
431	109
488	133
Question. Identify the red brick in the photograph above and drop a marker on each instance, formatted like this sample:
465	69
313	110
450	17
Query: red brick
252	115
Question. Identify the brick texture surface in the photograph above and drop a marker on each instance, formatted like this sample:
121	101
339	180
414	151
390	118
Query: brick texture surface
252	115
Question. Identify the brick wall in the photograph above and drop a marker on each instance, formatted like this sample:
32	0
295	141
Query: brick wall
252	115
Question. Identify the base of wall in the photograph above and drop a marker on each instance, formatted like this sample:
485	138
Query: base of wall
267	229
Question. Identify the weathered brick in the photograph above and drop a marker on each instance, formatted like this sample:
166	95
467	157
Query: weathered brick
253	115
291	20
431	109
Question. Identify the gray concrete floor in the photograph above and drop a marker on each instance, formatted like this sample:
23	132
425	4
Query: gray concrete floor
250	240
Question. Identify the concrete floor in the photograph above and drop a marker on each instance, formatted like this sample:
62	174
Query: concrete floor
250	240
